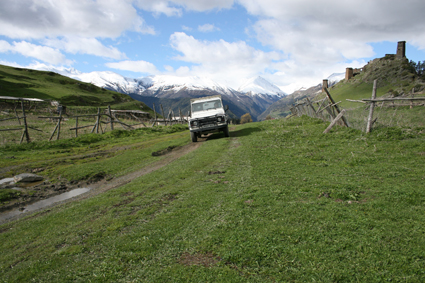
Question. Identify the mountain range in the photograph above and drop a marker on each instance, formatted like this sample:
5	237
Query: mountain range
254	96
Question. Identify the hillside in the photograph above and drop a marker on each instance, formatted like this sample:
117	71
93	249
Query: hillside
17	82
395	77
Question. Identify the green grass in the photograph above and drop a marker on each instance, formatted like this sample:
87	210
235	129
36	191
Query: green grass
287	204
112	153
28	83
7	194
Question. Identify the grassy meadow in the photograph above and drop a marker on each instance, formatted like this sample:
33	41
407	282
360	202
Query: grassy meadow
278	201
18	82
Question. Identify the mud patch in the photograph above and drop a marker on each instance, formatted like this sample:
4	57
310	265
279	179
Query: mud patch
32	192
216	172
164	151
48	189
124	202
42	204
206	260
97	177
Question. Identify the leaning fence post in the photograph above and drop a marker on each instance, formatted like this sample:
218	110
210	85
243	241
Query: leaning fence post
312	108
336	106
27	136
372	106
340	115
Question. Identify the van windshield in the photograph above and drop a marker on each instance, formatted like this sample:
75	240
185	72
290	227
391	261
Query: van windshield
202	106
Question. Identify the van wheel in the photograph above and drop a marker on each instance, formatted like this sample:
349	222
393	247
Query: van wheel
193	136
226	132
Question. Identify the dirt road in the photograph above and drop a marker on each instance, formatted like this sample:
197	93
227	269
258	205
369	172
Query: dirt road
17	209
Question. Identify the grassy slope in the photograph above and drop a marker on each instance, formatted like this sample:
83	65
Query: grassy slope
393	76
289	204
19	82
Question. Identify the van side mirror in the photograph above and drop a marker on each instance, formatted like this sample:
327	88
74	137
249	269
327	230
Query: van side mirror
226	107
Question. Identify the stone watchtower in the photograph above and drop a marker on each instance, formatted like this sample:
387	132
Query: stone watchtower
348	73
325	84
401	50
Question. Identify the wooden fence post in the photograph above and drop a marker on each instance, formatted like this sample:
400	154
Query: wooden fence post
312	107
17	116
98	120
154	112
76	126
110	117
27	136
372	106
163	116
340	115
336	107
59	124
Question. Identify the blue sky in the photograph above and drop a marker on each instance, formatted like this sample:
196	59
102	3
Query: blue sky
291	43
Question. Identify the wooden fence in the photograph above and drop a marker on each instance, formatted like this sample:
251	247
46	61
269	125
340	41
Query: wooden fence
328	110
103	121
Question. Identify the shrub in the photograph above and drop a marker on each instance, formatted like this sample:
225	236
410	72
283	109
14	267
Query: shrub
246	118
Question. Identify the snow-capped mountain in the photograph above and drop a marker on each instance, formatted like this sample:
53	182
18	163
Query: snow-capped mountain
259	85
253	97
335	78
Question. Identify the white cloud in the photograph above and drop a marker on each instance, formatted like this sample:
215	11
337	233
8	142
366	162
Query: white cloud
224	61
83	18
43	53
159	7
322	37
134	66
169	69
185	28
81	45
176	7
327	21
208	28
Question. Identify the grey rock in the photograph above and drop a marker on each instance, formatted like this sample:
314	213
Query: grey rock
27	177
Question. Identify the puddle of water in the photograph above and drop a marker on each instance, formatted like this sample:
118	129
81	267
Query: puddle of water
43	203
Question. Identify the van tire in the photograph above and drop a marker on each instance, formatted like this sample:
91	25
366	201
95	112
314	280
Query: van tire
226	132
193	136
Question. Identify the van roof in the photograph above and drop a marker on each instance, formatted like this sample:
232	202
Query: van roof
206	98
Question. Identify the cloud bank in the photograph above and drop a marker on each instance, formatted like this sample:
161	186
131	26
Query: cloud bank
289	42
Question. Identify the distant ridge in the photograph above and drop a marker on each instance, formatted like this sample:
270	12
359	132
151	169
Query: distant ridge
173	92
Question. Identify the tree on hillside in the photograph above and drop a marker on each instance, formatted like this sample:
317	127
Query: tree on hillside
268	117
419	67
246	118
